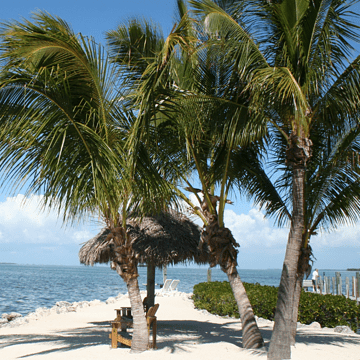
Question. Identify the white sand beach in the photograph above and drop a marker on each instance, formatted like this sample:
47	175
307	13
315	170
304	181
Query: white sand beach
81	331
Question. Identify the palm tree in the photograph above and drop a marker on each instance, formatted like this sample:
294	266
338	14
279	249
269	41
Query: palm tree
214	167
332	188
64	128
161	73
291	58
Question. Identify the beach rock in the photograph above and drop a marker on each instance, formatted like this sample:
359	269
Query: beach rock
343	330
63	304
18	321
110	300
121	296
95	302
32	316
83	304
42	311
3	321
11	316
62	310
204	312
315	325
76	304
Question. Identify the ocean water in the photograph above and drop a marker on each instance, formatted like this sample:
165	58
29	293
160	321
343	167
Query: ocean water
24	288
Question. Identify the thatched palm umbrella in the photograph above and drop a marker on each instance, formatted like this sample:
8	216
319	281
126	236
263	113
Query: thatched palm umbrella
167	238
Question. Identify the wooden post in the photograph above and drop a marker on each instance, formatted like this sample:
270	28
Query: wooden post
164	273
347	287
114	336
353	286
150	284
209	275
340	287
319	284
337	282
333	286
325	285
328	285
357	284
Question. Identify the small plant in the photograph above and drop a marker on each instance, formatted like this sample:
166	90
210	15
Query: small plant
328	310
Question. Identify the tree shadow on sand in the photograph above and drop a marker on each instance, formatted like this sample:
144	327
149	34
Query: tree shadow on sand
177	336
180	336
334	339
63	340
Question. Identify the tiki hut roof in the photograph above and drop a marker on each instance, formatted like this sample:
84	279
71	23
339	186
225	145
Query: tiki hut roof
167	238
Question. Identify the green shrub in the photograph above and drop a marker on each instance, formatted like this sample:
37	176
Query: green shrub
328	310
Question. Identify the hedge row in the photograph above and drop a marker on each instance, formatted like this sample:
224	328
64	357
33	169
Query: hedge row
328	310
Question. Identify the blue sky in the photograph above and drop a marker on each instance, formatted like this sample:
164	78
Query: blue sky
28	236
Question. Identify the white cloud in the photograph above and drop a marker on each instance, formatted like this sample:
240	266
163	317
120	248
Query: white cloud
50	248
253	229
343	236
20	209
23	221
82	236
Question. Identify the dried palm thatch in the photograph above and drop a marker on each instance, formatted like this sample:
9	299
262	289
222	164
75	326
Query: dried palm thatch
167	238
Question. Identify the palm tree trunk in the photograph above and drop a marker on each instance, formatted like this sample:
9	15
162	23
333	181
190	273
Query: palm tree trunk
295	309
252	338
126	267
304	267
223	252
140	337
280	345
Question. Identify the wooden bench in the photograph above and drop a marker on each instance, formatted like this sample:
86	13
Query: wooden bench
306	284
116	337
123	323
123	312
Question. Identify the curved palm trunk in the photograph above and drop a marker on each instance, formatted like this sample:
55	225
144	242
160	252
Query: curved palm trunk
222	251
280	344
252	338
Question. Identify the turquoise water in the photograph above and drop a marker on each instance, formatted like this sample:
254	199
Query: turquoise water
24	288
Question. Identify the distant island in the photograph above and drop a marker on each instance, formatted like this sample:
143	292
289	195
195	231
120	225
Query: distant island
353	269
2	263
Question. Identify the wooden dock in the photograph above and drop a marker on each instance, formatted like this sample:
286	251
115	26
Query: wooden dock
335	286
